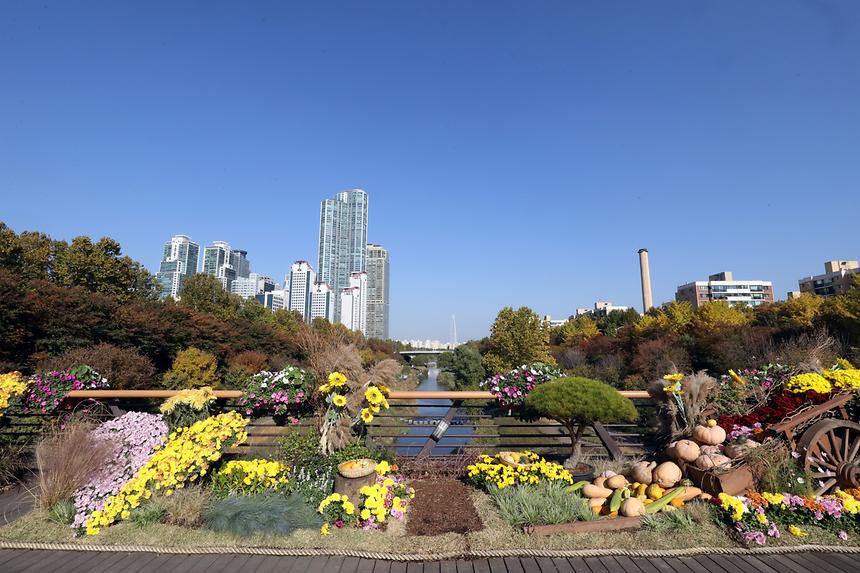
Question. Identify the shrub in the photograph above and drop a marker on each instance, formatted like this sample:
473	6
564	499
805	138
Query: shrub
578	402
12	385
543	504
147	515
270	514
125	368
62	512
68	457
187	407
185	507
192	368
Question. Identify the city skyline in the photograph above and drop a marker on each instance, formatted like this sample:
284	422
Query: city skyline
556	137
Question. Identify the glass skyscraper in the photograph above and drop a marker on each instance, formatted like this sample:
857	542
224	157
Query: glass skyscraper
225	264
377	292
343	240
178	262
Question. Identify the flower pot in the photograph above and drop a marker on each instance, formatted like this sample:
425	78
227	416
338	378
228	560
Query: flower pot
581	472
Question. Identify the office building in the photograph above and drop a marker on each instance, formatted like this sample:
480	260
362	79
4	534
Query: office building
377	291
251	286
225	264
322	302
722	286
353	303
342	239
178	262
299	285
837	278
273	299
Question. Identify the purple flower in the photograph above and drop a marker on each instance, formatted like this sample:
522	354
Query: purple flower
842	535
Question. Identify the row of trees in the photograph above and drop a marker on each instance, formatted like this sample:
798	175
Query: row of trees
62	302
630	350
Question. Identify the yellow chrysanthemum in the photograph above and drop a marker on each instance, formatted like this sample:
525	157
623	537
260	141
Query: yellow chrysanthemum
336	379
366	416
673	377
339	400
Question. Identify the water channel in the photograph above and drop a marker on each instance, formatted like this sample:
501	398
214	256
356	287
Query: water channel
430	411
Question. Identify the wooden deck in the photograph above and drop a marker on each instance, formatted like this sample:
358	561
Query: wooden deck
35	561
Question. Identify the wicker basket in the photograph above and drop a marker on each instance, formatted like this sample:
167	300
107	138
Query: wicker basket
509	459
360	468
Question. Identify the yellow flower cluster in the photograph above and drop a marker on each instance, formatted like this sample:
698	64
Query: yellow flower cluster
197	399
849	502
348	506
335	381
773	498
248	477
673	377
490	471
374	502
12	385
848	379
733	504
808	381
376	396
184	458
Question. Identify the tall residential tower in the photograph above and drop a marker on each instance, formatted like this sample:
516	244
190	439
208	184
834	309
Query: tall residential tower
299	285
225	264
342	240
178	262
377	292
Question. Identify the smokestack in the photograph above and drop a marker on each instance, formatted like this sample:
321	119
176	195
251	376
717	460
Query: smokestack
645	273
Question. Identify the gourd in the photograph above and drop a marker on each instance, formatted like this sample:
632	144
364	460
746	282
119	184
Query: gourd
666	474
654	491
595	491
615	482
710	435
632	507
707	462
641	472
608	474
596	502
599	481
738	449
711	450
663	501
687	450
688	493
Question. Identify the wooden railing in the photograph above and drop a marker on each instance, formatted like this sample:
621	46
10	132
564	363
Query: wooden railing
473	420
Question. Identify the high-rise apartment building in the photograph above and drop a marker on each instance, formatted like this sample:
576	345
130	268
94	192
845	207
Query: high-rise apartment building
299	285
178	262
342	239
251	286
322	302
837	278
353	303
377	291
722	286
225	264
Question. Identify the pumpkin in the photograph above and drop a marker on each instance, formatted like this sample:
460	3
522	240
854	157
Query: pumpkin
641	471
616	482
596	502
710	435
711	450
687	450
737	449
632	507
666	474
707	462
595	491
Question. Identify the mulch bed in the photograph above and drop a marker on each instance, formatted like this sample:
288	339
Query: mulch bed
441	506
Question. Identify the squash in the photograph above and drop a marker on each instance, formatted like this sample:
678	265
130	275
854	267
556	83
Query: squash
666	474
595	491
596	502
737	449
654	491
607	474
711	450
641	472
710	435
687	450
616	482
632	507
677	502
707	462
599	481
689	493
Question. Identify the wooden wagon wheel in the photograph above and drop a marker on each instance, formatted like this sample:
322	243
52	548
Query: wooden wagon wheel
831	454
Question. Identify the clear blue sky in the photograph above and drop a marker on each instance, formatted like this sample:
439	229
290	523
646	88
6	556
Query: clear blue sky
515	153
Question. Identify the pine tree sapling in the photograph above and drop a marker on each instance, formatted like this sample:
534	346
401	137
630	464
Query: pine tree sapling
577	403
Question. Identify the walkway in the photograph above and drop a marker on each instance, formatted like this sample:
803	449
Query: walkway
35	561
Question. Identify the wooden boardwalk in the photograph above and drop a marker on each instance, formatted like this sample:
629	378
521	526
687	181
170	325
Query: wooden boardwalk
36	561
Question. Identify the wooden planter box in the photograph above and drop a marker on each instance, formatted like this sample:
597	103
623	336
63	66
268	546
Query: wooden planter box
604	524
733	482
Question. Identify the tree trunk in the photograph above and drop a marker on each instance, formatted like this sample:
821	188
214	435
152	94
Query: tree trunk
575	431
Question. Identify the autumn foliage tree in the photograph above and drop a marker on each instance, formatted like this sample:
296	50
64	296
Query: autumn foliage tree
517	337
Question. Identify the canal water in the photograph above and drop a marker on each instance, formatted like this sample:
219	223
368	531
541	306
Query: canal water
430	411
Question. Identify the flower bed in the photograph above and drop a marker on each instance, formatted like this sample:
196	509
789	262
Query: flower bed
512	387
47	390
489	471
276	393
250	477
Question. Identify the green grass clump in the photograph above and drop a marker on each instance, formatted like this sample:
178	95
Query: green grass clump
269	514
147	514
62	512
670	521
543	504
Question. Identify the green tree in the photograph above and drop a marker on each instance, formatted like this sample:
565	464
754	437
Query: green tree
464	366
205	293
576	403
713	316
517	337
192	368
616	319
803	312
576	330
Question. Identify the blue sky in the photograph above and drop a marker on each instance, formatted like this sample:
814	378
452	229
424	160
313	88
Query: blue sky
515	153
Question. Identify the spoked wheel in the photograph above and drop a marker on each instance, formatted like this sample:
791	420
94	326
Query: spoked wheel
831	454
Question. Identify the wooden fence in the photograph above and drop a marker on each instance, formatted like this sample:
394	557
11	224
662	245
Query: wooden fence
418	424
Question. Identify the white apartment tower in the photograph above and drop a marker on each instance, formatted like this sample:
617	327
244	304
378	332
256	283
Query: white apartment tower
299	285
252	286
342	239
322	302
178	262
353	303
377	292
